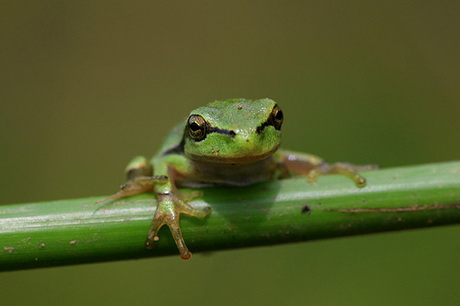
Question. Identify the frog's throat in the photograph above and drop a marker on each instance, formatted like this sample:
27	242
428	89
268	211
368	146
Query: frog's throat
243	159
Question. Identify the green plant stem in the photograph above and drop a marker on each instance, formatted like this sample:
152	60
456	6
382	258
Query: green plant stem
75	231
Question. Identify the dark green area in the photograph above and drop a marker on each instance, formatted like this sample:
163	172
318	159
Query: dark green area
85	86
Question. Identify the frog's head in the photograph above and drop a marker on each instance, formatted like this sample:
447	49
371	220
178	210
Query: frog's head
233	131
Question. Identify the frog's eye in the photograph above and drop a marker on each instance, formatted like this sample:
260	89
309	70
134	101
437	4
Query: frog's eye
196	126
276	117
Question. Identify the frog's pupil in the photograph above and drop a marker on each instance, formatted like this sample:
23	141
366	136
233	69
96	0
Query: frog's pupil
279	115
194	126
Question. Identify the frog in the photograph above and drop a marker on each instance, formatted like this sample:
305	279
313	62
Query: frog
232	142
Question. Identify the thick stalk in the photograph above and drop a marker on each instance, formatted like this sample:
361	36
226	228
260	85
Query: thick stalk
75	231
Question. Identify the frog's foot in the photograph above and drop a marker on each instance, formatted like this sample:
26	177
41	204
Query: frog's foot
168	211
348	169
138	185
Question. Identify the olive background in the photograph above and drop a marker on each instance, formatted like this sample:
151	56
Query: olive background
86	85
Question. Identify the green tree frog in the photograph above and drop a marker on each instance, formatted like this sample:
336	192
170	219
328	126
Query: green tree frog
233	142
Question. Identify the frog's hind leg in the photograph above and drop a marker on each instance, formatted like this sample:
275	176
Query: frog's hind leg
347	169
312	166
168	212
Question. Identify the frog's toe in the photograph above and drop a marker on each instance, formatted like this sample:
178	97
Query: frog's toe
185	254
349	170
187	209
312	176
152	237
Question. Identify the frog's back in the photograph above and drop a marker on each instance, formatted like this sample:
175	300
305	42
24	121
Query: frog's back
173	142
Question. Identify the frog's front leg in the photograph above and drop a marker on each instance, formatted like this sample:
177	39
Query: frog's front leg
168	211
312	166
171	203
140	179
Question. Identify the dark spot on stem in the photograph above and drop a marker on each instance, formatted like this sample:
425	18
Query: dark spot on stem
306	209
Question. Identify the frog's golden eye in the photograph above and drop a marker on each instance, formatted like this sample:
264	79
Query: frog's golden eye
196	127
276	117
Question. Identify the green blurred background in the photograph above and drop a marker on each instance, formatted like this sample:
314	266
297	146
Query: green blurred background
87	85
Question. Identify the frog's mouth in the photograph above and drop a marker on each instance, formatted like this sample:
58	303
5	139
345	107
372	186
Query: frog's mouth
217	157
